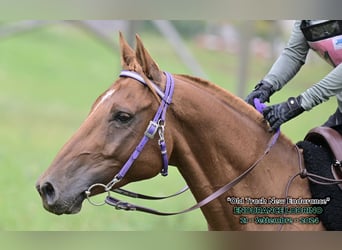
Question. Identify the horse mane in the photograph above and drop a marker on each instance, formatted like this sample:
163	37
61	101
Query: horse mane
228	98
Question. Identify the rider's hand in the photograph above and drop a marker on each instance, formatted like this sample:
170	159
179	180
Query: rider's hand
280	113
262	91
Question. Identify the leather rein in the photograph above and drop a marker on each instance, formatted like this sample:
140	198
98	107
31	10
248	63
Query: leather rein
158	124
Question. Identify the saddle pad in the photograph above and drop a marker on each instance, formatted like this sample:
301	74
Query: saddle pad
318	161
330	139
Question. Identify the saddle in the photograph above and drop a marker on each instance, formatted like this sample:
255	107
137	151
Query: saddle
332	140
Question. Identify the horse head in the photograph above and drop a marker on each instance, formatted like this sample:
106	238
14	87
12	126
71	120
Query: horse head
107	138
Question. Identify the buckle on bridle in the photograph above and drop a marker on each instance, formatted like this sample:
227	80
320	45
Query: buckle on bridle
151	129
120	205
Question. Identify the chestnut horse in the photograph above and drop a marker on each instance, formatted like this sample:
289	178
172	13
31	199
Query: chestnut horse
211	137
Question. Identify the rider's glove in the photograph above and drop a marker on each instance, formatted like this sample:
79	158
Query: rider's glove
280	113
262	91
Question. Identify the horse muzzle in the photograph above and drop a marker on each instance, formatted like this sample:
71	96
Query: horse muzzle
54	203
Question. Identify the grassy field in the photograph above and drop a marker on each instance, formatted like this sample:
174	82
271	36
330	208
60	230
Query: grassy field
48	80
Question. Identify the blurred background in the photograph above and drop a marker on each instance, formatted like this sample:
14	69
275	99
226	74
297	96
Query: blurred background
52	71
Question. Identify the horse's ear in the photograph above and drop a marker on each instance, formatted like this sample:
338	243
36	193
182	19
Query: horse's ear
149	66
128	59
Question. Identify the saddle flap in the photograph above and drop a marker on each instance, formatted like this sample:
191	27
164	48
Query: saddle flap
332	140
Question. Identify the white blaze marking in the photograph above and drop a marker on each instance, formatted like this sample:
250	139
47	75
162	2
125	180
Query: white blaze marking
105	97
108	94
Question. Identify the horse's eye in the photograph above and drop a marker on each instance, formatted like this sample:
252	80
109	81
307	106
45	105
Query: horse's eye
122	117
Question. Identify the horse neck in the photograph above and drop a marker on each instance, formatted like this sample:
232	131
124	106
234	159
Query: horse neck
214	128
216	137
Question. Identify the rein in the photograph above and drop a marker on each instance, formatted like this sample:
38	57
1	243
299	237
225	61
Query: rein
120	205
158	124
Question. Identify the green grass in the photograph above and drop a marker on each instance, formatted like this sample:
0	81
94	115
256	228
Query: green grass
48	80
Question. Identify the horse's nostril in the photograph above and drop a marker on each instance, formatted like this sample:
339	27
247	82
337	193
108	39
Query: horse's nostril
48	193
38	189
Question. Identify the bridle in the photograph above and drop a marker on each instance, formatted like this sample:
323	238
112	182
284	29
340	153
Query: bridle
158	124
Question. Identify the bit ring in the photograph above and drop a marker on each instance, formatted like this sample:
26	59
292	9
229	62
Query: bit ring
88	192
